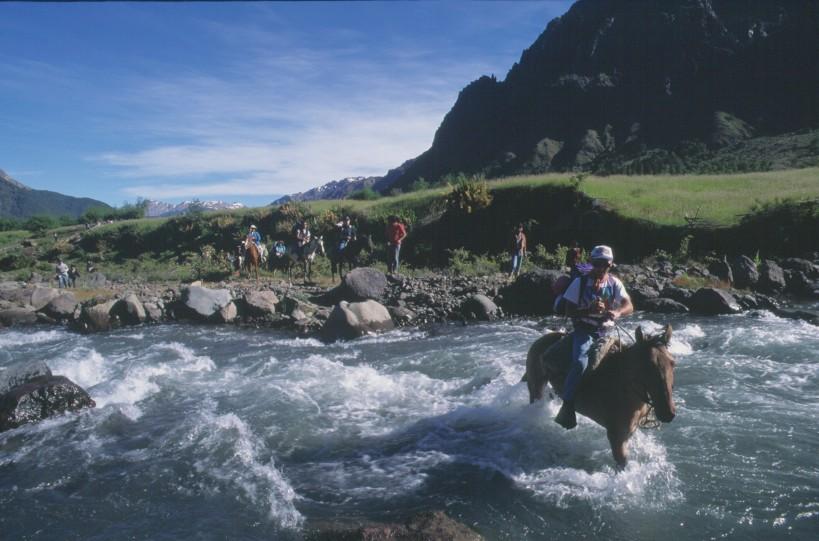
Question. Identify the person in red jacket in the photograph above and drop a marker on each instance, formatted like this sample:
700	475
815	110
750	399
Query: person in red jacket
396	232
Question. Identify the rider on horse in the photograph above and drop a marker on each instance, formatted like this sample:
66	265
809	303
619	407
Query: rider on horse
255	237
303	237
593	302
346	233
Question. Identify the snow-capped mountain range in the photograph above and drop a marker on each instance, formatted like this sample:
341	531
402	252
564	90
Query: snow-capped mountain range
161	208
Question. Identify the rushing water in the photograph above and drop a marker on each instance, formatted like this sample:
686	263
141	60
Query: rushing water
224	433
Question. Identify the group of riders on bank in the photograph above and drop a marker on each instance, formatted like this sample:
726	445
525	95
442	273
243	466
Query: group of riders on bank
302	236
346	234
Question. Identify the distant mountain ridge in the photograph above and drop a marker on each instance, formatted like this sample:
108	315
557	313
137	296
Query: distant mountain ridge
341	189
335	189
156	209
19	201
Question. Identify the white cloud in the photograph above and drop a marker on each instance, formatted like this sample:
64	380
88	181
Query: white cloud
282	133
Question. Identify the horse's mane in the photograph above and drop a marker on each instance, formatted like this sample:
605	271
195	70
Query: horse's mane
618	359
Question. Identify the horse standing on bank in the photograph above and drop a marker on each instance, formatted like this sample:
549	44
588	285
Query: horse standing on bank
252	258
348	255
620	392
292	257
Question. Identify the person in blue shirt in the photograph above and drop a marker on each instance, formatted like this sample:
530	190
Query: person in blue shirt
255	237
346	233
593	302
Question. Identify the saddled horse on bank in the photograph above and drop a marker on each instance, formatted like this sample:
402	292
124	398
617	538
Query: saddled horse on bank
251	257
619	393
291	257
348	255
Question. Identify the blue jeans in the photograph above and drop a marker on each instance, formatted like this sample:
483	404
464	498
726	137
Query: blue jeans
582	342
62	280
517	260
392	257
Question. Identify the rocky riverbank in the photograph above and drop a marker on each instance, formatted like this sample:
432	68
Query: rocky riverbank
368	301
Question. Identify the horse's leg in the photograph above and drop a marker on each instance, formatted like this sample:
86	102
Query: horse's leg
619	447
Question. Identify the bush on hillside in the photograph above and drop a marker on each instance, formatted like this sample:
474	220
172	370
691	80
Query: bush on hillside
288	215
468	195
365	194
462	262
419	184
10	224
40	224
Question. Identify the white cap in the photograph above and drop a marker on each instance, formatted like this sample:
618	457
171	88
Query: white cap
252	226
602	252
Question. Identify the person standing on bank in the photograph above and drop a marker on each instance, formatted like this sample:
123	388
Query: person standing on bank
593	302
396	233
62	274
518	250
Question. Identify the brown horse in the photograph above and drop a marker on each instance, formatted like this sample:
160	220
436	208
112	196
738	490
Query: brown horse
619	393
252	258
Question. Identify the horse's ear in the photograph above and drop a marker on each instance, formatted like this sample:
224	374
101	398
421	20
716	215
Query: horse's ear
667	335
638	335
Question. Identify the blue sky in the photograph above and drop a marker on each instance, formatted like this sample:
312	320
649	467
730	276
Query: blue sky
239	101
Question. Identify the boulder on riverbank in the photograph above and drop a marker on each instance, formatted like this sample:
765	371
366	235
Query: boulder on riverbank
664	306
20	373
39	398
41	296
99	317
709	301
24	315
428	526
261	303
745	272
479	307
62	307
531	293
132	311
351	320
204	304
361	284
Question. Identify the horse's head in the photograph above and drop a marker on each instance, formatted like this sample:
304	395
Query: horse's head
656	372
320	245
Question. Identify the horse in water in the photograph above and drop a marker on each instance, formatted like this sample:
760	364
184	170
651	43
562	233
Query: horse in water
619	393
252	258
339	256
292	257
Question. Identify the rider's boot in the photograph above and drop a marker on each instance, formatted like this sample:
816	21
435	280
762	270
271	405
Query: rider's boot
566	416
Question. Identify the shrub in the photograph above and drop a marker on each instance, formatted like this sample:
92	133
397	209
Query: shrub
462	262
419	184
468	195
289	214
365	194
39	224
542	257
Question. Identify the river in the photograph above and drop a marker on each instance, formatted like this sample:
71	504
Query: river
225	433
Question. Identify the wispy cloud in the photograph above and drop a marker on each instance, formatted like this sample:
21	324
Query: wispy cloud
286	122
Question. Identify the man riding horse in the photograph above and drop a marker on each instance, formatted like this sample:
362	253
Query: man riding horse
345	248
346	233
255	237
253	252
593	302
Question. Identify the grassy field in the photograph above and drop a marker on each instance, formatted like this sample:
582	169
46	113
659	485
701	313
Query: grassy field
668	199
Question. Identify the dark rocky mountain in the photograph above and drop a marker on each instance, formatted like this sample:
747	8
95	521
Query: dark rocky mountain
161	208
19	201
613	81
